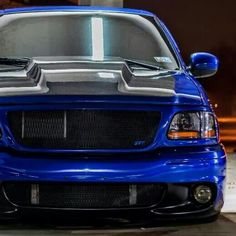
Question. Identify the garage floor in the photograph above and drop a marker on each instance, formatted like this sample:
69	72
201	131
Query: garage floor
226	225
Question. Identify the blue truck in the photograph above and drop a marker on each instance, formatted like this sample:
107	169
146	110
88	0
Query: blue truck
100	116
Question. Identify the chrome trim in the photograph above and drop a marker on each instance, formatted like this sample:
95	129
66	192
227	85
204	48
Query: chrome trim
132	194
35	194
23	125
65	125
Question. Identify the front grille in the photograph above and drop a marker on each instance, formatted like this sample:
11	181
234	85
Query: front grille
84	129
94	196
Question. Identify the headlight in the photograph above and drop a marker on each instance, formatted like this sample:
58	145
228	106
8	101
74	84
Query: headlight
192	125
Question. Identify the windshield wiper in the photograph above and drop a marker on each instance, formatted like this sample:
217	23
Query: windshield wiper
16	62
141	64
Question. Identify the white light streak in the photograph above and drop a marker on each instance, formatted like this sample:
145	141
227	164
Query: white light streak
97	39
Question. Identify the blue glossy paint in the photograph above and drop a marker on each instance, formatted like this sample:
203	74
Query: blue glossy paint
164	161
203	164
203	64
77	8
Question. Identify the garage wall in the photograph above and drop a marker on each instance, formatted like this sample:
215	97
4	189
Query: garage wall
230	189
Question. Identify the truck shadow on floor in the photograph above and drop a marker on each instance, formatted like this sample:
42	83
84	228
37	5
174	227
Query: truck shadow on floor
222	226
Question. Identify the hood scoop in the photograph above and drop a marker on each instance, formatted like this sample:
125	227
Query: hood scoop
85	78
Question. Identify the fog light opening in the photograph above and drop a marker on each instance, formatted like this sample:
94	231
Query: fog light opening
202	194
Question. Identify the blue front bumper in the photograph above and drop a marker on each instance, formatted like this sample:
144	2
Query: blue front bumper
169	166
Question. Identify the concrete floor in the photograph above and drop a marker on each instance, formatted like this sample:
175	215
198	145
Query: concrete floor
224	226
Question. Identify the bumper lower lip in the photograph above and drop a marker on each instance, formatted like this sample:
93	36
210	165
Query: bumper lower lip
181	206
186	209
179	166
91	217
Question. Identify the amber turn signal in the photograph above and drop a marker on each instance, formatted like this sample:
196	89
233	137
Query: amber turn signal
183	135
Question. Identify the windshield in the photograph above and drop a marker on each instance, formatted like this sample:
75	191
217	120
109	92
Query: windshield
92	35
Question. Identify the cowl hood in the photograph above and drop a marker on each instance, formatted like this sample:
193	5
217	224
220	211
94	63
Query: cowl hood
74	77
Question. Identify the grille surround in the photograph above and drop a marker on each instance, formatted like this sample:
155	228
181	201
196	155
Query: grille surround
84	195
84	129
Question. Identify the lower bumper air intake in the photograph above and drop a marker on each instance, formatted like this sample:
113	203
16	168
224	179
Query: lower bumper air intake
84	196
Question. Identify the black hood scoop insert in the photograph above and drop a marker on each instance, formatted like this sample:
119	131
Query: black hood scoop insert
85	78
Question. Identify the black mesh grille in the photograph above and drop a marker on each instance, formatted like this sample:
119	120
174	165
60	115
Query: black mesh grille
84	129
84	195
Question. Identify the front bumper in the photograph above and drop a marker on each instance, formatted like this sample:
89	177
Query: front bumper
174	167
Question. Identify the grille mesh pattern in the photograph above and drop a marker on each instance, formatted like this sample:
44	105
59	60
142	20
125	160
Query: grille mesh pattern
85	195
84	129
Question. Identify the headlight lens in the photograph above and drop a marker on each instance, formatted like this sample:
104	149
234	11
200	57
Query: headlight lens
192	125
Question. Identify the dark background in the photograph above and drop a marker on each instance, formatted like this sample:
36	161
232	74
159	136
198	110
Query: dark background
204	25
200	25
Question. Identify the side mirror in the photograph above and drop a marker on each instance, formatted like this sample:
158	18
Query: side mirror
203	65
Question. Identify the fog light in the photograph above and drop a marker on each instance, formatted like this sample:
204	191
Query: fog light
203	194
